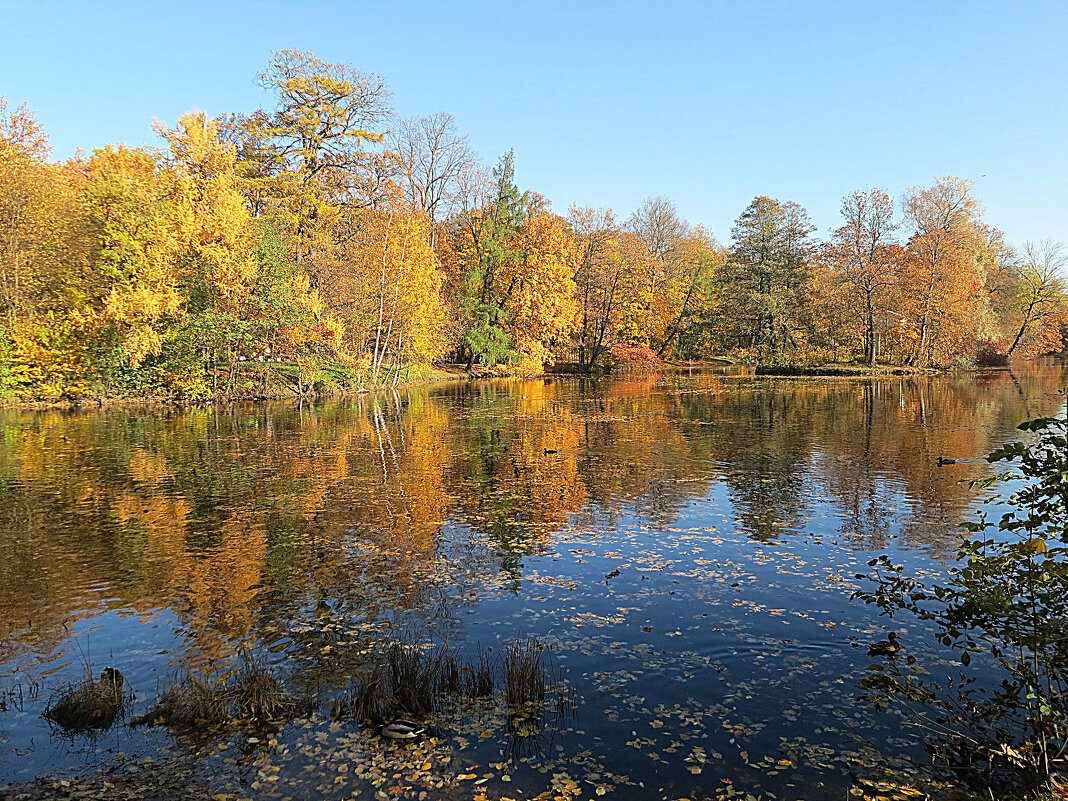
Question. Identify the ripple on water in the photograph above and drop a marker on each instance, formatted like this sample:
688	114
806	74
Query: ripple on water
686	544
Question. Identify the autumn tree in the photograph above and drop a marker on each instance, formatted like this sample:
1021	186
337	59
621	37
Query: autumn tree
950	254
691	297
1038	297
44	247
260	163
327	119
174	254
213	238
136	253
658	224
863	256
434	159
35	213
537	289
407	319
601	266
763	285
493	211
648	310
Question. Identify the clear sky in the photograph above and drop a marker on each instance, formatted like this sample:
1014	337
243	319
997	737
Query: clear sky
606	103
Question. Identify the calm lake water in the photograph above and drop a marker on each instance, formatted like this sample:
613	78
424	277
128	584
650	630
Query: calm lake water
686	544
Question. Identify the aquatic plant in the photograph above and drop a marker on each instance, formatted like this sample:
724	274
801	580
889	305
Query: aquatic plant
193	701
479	676
449	675
257	694
1004	610
16	695
200	700
413	679
526	672
92	703
364	699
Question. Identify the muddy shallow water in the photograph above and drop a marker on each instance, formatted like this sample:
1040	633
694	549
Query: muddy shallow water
686	544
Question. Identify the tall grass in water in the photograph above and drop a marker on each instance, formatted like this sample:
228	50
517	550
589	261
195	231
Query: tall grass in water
413	678
88	704
193	701
480	680
252	694
405	680
256	693
526	672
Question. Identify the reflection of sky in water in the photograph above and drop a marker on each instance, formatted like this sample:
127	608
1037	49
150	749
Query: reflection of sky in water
736	512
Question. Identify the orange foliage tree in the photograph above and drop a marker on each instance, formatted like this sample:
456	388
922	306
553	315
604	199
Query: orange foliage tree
949	256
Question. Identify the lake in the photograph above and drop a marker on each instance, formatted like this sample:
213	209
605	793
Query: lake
685	545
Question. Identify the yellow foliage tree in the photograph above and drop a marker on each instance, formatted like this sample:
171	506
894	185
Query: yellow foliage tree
950	255
384	281
43	250
208	214
136	247
539	289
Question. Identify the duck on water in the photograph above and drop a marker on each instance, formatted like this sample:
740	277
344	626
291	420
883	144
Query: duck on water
887	647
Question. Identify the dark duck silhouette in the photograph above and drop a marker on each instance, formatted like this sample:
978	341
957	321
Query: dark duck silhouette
887	647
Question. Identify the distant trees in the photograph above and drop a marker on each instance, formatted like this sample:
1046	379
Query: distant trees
323	242
950	253
866	260
601	264
765	281
491	215
1038	297
44	248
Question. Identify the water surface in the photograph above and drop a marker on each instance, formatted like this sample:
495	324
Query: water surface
687	545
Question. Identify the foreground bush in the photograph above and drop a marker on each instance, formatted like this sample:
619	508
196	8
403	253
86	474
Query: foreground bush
1004	610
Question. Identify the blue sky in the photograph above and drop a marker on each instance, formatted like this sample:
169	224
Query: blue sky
606	103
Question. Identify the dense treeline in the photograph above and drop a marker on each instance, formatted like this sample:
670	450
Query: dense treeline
328	244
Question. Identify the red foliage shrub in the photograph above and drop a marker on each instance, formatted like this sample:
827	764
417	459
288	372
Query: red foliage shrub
627	355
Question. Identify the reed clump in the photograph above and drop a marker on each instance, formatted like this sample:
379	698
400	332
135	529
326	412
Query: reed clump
92	703
414	676
256	693
195	701
450	676
365	698
479	675
527	674
407	680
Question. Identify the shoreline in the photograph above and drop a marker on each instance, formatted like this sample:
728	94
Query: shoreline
444	376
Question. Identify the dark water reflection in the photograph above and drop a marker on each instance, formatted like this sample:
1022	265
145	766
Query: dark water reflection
735	510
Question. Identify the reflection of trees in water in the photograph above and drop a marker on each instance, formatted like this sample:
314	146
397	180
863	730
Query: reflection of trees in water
250	521
880	464
514	477
758	438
